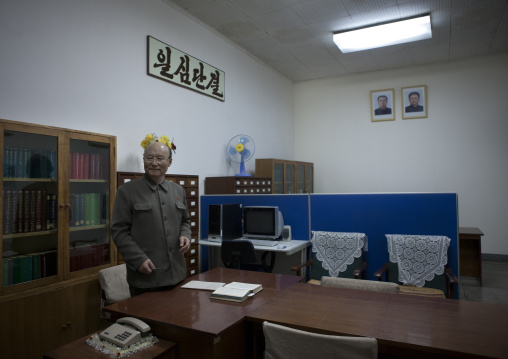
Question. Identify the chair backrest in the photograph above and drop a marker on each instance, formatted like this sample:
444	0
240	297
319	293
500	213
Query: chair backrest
370	285
283	342
347	249
425	258
236	253
113	282
240	254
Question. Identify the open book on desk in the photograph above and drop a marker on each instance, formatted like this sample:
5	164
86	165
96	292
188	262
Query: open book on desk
236	291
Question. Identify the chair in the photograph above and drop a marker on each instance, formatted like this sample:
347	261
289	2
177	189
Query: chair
240	254
283	342
369	285
114	287
418	261
335	254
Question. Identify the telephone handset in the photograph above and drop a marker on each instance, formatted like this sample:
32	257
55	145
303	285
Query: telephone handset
125	331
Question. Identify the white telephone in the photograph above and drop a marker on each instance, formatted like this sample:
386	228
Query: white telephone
125	332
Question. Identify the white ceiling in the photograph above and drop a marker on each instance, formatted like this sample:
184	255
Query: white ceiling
294	37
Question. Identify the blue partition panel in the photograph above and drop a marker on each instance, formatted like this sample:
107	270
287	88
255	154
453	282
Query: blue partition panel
294	208
388	213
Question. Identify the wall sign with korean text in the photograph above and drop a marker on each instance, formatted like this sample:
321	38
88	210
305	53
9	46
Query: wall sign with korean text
172	65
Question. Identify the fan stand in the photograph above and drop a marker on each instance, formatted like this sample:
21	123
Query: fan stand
242	170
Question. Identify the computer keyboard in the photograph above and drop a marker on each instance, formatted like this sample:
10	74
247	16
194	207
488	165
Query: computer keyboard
263	242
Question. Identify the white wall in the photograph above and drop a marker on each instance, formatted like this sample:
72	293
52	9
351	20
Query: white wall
82	65
462	146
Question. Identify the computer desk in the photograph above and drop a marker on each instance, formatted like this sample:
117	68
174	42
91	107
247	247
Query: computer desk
405	326
288	248
201	327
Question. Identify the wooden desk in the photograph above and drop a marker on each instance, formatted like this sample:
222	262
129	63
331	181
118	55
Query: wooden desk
203	328
470	252
79	349
405	326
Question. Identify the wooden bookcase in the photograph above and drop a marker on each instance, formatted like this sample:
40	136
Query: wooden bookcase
287	176
58	188
191	185
238	185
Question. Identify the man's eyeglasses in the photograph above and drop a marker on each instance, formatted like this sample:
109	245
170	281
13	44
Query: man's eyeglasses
157	159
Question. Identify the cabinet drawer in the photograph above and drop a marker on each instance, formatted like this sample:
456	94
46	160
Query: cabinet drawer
192	192
193	251
192	261
192	271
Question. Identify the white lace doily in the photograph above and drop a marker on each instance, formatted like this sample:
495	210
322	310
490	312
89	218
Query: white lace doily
337	250
419	258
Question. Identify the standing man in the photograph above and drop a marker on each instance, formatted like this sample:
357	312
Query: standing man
151	224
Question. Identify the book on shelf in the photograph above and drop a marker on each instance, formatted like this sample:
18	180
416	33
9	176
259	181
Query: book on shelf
236	291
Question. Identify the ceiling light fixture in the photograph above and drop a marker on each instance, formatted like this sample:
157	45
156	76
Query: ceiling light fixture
393	33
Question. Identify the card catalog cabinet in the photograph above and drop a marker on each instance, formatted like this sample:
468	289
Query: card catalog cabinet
287	176
191	185
238	185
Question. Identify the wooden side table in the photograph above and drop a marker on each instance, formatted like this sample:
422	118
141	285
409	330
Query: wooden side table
78	349
470	252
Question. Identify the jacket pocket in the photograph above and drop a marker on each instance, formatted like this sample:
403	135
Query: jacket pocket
180	206
142	206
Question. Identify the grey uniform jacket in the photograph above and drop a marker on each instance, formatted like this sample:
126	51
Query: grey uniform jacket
148	220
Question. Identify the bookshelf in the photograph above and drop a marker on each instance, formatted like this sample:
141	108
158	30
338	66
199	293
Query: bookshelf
58	187
287	176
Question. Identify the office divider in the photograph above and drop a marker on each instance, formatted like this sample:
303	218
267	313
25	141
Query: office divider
388	213
372	214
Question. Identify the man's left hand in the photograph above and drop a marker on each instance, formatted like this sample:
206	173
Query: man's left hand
184	245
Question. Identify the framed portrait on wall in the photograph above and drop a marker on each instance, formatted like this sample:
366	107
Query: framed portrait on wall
382	106
414	102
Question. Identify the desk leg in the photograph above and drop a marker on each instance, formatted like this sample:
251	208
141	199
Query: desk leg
303	259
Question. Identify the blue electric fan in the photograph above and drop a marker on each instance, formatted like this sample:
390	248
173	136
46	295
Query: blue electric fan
240	149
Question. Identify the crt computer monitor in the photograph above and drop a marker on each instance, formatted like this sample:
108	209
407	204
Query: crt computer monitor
263	222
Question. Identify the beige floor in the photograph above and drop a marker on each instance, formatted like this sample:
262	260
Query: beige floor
494	288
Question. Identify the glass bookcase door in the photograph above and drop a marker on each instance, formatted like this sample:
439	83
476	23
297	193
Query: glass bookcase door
278	177
89	204
309	178
29	212
300	178
290	178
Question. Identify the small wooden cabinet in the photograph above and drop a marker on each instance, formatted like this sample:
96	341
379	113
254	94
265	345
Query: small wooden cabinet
191	185
470	252
287	176
238	185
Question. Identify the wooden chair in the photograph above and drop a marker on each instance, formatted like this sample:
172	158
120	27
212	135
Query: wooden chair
283	342
114	287
240	254
352	264
433	280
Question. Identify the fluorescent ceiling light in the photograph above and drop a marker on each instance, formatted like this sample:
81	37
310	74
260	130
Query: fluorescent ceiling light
384	35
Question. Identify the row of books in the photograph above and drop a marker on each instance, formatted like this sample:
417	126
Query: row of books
88	256
20	269
87	209
89	166
29	163
29	210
